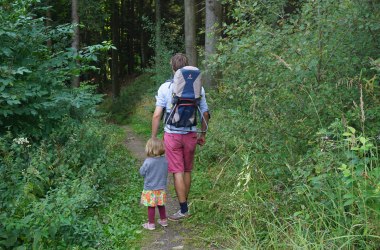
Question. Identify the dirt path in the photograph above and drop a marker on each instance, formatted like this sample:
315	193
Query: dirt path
175	236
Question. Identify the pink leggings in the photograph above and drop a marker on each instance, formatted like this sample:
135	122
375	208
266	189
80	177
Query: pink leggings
152	213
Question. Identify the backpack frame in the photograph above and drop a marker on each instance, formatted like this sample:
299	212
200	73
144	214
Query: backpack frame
186	96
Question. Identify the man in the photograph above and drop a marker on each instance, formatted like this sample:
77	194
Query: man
180	143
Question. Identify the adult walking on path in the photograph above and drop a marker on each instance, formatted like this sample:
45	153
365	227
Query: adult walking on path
180	143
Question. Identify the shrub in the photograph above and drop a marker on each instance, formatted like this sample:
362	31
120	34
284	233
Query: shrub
34	78
54	191
294	162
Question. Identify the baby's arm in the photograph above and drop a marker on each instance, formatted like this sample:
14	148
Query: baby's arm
143	169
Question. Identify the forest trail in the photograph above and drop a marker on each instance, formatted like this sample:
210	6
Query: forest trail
174	236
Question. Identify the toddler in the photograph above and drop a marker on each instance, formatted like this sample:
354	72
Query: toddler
155	173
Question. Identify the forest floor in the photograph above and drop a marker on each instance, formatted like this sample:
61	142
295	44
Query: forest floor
175	235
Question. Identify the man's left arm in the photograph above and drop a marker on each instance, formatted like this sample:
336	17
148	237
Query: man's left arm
206	116
202	136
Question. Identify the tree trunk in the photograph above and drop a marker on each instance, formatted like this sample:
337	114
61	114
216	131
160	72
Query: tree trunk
124	34
213	23
190	34
158	29
140	11
130	37
75	43
200	22
115	53
49	42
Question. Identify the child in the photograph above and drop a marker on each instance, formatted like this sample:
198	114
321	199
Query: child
155	173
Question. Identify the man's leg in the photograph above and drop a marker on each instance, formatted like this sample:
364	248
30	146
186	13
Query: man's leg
180	186
187	181
190	143
180	156
181	189
174	155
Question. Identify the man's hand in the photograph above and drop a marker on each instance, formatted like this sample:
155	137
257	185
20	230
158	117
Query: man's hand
201	139
202	136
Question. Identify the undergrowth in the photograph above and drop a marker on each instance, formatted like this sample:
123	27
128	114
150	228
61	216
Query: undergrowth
75	189
291	159
135	106
242	197
245	194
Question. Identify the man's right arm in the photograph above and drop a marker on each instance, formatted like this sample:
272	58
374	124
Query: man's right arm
156	120
161	99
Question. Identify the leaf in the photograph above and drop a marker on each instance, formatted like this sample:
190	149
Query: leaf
21	71
346	173
348	196
9	242
297	213
13	102
6	51
343	167
362	139
53	230
348	202
351	129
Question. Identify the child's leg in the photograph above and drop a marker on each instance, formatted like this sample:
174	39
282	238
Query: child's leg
162	211
151	214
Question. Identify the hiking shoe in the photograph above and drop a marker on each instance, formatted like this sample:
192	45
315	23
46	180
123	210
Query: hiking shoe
163	223
178	216
149	226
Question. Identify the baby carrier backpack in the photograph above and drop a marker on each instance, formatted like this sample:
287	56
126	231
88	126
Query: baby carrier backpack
186	91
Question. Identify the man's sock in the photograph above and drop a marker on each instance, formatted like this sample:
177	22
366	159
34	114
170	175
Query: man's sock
184	207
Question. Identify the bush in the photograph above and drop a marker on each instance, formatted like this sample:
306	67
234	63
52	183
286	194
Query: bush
61	167
294	163
34	78
53	191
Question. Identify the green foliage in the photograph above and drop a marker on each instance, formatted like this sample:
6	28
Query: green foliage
292	150
169	44
129	102
291	159
34	77
161	69
59	192
60	167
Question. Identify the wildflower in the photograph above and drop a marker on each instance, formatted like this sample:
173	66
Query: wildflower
21	140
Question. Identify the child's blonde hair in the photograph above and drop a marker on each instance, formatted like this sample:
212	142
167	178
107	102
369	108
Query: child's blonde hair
154	147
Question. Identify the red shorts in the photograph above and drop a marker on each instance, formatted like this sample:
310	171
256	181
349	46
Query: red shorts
180	150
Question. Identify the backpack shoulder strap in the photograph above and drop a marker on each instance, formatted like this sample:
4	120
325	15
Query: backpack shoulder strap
171	80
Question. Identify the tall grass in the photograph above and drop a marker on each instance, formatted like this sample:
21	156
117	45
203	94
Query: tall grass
243	198
309	207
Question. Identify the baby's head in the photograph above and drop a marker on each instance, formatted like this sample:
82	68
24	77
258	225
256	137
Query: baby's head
154	147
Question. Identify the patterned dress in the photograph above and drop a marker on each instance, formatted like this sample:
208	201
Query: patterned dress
155	173
152	198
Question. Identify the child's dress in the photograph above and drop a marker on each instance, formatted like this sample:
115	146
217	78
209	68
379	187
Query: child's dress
155	173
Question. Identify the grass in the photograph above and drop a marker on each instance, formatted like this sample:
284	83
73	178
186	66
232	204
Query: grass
122	215
241	199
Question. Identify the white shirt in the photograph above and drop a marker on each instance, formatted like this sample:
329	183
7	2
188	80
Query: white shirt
164	99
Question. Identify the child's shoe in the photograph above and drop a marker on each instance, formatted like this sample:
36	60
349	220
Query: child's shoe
163	223
149	226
